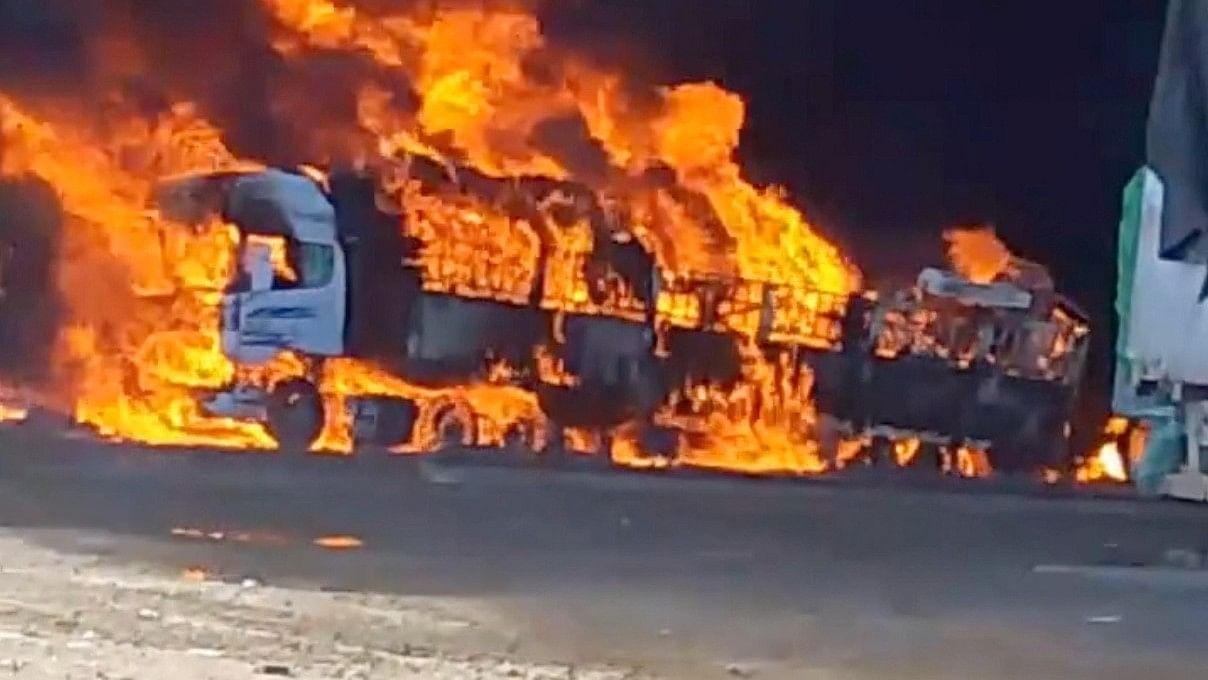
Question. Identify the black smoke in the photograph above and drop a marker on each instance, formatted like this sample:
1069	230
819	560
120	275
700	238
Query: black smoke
215	53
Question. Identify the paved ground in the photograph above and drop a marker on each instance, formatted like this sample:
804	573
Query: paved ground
667	577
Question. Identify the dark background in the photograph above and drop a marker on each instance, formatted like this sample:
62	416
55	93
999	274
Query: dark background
891	120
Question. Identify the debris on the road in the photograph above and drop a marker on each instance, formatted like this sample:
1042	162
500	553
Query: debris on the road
279	670
148	614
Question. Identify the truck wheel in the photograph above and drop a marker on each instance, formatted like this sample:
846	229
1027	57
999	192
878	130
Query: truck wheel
295	415
455	426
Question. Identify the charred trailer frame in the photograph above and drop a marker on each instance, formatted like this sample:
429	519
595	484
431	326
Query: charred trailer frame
960	364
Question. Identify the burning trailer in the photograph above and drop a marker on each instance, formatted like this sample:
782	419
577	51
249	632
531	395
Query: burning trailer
645	364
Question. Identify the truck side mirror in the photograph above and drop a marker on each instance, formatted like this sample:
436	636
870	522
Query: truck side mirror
258	265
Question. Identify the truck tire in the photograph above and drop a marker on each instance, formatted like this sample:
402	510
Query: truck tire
295	415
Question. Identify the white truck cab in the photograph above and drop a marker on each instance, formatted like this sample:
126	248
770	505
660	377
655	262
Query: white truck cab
262	313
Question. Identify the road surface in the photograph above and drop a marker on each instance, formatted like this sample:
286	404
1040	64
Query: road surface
644	575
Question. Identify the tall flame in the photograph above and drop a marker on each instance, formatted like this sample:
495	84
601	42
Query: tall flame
479	102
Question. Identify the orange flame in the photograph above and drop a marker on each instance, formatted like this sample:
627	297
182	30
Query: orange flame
1109	463
977	254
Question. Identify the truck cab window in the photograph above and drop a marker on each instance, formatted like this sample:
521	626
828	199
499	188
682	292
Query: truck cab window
314	264
294	264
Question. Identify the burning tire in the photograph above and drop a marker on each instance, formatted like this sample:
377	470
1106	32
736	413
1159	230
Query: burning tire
295	415
455	426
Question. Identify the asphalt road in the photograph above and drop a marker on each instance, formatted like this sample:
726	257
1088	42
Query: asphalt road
686	577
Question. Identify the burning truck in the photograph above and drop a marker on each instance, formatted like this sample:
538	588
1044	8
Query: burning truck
620	355
537	250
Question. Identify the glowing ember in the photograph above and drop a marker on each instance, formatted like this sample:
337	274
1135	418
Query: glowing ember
1112	462
195	574
339	542
13	414
906	450
972	463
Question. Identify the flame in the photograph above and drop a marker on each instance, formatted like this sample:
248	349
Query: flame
906	450
142	294
977	254
1112	462
764	425
1108	462
511	145
13	414
277	255
971	462
477	98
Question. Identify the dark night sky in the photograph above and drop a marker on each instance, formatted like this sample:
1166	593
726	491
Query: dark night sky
892	119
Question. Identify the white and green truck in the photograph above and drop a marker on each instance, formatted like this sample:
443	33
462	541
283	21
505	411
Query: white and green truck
1162	293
